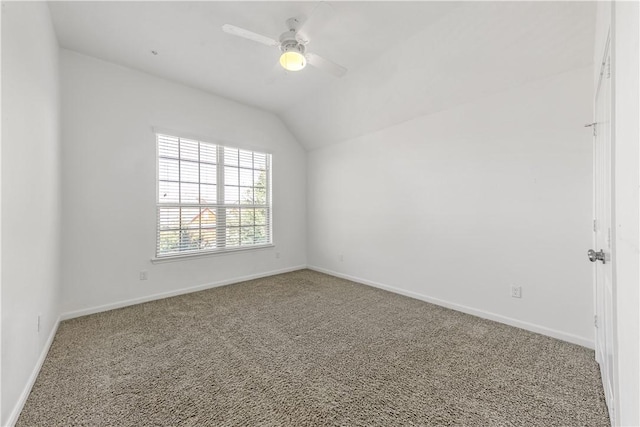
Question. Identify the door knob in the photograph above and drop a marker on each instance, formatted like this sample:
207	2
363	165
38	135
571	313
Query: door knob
595	256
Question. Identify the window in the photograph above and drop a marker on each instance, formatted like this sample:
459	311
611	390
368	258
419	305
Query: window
211	198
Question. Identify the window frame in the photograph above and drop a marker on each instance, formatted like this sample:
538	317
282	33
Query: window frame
220	206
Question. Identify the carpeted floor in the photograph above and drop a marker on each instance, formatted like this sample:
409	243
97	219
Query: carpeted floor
306	349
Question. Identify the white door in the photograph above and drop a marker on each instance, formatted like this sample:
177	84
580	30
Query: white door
601	254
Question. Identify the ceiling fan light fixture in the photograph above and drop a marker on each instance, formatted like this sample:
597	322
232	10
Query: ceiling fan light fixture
292	59
294	56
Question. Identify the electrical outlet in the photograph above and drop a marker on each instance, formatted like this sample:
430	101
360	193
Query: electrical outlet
341	258
144	275
516	291
277	255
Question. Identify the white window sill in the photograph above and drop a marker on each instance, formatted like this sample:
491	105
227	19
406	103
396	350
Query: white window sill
195	255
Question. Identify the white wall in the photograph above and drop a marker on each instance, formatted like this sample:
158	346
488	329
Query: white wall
109	173
459	205
626	70
30	193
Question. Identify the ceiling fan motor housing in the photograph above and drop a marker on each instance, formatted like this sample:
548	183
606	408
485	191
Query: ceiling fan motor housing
288	43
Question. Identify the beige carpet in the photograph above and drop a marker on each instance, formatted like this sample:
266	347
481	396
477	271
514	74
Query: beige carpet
306	349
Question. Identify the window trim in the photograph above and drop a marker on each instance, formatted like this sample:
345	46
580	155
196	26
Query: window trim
204	254
208	139
156	131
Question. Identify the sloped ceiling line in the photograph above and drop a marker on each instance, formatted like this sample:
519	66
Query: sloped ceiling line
472	52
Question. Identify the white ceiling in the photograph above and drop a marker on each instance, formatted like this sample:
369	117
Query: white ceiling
404	59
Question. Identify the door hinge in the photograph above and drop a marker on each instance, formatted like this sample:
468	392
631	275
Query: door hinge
608	68
595	320
609	238
595	225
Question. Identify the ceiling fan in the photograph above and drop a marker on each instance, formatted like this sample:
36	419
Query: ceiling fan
292	45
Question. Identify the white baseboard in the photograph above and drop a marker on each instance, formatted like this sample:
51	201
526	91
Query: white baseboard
17	409
574	339
134	301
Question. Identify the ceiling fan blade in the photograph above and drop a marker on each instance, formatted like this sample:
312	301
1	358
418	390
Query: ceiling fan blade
250	35
325	65
321	14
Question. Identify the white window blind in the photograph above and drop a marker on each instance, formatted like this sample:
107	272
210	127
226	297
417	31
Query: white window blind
211	198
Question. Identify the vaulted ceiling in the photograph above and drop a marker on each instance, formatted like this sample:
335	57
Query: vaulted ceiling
404	59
